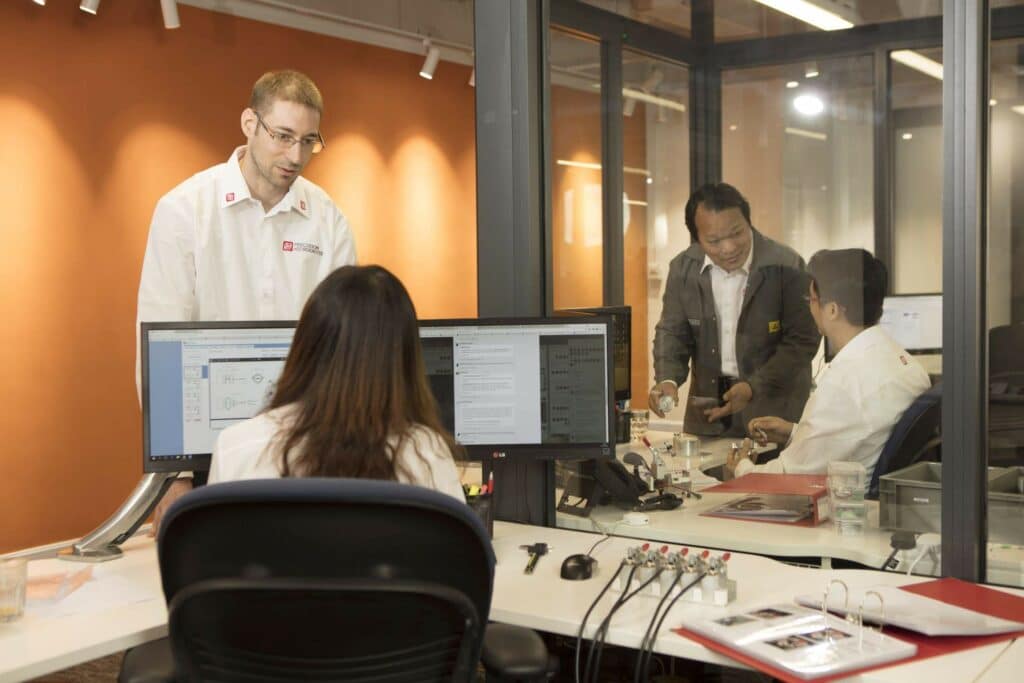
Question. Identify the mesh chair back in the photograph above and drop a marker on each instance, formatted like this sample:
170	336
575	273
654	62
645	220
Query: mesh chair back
914	437
325	579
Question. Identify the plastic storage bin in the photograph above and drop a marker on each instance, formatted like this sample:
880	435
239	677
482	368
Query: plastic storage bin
911	499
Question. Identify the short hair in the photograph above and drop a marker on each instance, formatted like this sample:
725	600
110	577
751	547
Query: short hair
287	85
714	197
852	278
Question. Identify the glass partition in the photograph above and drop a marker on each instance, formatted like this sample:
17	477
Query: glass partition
576	201
1005	292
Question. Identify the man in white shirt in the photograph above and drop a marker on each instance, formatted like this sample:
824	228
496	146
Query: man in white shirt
248	239
733	307
862	393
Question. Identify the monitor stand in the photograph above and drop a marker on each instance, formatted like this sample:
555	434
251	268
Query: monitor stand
102	544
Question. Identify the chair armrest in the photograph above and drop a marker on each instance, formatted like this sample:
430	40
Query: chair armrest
515	652
148	663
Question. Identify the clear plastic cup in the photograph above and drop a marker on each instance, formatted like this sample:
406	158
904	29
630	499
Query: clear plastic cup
846	482
638	421
13	576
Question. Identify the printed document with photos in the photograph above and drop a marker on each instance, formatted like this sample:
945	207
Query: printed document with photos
802	641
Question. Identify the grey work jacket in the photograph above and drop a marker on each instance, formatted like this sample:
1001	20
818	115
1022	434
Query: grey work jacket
776	337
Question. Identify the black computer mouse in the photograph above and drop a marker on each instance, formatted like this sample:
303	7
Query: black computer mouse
578	567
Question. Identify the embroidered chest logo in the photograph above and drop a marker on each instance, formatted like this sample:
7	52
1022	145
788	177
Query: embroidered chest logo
903	359
229	197
302	204
307	247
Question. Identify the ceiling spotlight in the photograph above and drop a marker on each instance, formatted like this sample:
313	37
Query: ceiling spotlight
993	102
472	78
41	3
430	63
907	136
808	105
811	70
792	84
629	106
733	127
90	6
170	11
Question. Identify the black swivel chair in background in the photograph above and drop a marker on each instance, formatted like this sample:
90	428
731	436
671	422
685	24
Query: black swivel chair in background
329	579
914	438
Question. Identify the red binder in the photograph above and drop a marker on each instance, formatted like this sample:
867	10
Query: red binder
950	591
810	485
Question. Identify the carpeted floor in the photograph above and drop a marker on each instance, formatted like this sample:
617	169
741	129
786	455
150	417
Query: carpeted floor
103	670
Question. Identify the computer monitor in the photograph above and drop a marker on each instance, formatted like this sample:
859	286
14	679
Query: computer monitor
199	378
525	387
915	321
621	350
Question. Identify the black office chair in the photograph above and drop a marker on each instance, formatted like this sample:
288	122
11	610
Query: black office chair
914	438
329	579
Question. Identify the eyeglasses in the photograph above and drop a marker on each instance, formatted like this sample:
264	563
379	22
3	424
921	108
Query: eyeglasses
311	143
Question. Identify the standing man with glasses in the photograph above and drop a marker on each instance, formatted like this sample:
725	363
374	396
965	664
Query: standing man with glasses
248	239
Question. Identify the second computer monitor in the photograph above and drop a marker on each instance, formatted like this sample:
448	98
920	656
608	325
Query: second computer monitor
621	348
523	388
915	321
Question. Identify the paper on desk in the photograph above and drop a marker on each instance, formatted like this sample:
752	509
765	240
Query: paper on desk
97	595
916	613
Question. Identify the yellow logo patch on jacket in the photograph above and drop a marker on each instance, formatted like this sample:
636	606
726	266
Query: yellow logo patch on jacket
774	326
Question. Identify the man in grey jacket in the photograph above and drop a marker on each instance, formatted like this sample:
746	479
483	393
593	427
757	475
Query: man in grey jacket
735	304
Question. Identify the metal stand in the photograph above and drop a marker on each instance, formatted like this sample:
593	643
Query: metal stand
102	544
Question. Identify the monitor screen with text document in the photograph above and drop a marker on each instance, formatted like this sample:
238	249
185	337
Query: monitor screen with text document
200	378
524	388
914	321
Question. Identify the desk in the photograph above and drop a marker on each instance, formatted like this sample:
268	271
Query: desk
687	526
35	646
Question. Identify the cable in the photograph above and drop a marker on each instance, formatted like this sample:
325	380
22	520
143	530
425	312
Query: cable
599	542
606	624
657	629
597	632
650	626
583	624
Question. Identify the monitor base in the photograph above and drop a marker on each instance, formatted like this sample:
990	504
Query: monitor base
101	544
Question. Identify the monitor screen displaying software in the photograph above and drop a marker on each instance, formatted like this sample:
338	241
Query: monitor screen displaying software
200	378
914	321
526	387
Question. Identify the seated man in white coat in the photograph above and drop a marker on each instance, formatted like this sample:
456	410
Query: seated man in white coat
862	393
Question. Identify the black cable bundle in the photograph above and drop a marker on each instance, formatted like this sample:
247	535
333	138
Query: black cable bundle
597	643
583	624
643	660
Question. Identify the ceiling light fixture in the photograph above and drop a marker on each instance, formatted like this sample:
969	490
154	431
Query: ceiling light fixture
814	15
792	84
41	3
808	105
628	106
811	70
653	80
809	13
90	6
170	12
907	136
430	63
472	78
918	62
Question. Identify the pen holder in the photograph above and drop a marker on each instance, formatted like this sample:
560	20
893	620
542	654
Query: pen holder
482	505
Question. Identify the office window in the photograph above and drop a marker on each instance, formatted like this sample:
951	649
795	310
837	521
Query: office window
656	183
916	143
576	200
798	144
1005	293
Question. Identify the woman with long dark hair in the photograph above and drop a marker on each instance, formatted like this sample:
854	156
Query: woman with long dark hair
352	400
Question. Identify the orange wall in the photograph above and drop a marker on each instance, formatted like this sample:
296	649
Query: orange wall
577	249
99	116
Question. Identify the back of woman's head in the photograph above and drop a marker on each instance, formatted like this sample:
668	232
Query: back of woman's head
354	378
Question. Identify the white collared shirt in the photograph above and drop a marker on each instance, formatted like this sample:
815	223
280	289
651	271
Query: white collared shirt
860	397
728	289
215	254
246	451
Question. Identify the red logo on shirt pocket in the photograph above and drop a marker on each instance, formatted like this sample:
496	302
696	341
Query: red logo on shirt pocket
229	197
302	205
287	246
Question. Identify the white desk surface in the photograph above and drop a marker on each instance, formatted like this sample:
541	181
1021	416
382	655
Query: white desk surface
545	602
686	525
39	644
